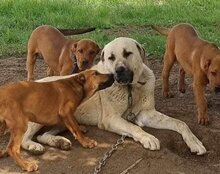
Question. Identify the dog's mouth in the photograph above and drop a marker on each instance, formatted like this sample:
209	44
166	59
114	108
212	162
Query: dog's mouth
107	83
84	67
124	77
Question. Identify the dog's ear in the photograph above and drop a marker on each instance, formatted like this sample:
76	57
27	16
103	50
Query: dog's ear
74	47
205	63
81	78
98	49
141	50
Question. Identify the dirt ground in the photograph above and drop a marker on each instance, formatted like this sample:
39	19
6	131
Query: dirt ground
173	158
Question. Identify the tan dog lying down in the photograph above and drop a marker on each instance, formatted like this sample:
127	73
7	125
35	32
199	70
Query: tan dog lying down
63	56
47	103
197	57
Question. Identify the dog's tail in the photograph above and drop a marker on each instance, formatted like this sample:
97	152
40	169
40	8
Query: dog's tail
161	30
68	32
3	128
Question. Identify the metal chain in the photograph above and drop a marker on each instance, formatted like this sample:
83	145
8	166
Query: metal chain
108	154
130	117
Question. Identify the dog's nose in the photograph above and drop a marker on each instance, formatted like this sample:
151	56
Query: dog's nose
85	62
123	75
120	69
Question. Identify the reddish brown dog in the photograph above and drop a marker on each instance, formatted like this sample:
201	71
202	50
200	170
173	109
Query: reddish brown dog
63	56
196	57
47	103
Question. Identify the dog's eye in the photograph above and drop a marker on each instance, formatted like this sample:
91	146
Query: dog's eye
92	52
214	73
80	51
127	54
112	58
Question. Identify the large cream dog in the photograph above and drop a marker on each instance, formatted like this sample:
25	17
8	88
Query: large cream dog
124	58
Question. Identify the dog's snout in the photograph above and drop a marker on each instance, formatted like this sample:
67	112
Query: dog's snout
123	75
120	69
85	62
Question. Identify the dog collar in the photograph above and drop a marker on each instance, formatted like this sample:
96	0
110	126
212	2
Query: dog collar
75	66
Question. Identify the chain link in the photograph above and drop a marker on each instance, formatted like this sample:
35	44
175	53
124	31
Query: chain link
108	154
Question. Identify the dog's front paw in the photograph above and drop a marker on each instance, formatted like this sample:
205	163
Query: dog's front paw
150	142
87	142
195	145
33	147
203	120
55	141
30	166
63	143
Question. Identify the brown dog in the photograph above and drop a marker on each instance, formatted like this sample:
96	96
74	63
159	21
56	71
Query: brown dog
47	103
63	56
196	57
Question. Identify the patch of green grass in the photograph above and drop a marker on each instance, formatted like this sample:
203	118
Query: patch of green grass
19	17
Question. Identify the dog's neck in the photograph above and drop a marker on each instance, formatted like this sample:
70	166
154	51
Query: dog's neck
76	85
86	94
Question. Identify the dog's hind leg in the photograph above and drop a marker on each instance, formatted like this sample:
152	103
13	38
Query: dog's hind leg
14	147
169	59
181	81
